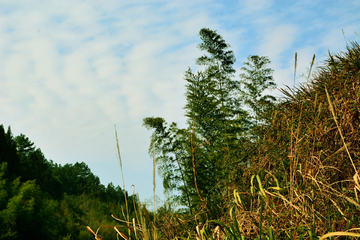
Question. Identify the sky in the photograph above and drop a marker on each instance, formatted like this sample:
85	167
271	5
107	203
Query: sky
72	69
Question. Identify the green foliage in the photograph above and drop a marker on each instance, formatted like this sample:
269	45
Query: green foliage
23	144
8	151
171	148
3	185
28	212
256	79
43	200
202	160
295	173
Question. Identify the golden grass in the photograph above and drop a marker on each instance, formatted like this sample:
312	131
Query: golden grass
303	182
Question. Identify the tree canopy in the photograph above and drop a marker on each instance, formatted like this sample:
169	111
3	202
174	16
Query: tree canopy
40	199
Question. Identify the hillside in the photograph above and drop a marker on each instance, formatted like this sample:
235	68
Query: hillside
289	171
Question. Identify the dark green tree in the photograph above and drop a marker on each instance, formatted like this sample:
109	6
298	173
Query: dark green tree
8	151
33	165
28	213
43	200
77	179
3	185
24	145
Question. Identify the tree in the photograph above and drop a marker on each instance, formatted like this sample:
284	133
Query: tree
28	213
33	194
215	110
3	185
172	150
33	165
256	79
195	161
212	93
23	144
8	151
77	179
201	160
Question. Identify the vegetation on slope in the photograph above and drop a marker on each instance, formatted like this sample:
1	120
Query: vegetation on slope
290	168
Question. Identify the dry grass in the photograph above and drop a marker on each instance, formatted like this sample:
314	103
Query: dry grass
302	183
318	128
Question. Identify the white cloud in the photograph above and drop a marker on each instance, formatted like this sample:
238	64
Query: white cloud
277	40
251	6
72	69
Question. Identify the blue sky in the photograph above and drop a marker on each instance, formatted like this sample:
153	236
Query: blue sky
71	69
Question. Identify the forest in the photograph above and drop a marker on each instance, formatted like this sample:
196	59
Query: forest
40	199
246	166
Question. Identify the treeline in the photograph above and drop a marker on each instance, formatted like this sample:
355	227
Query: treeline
40	199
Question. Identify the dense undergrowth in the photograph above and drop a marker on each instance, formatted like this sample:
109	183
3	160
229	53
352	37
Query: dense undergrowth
300	179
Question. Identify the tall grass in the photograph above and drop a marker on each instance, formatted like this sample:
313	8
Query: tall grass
319	177
303	183
140	226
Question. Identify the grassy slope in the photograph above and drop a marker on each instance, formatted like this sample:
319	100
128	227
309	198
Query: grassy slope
304	180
